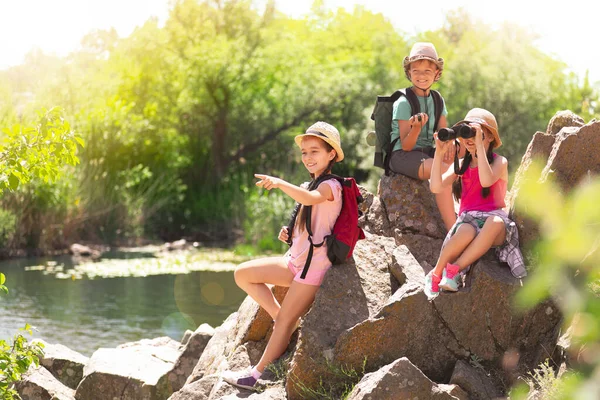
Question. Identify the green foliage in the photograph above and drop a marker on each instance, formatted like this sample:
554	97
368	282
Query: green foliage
3	288
266	213
177	118
502	70
16	357
8	222
37	151
568	260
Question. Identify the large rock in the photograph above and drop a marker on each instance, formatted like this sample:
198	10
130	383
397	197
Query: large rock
250	324
406	268
40	384
350	294
574	156
65	364
538	149
197	390
424	248
561	119
407	326
410	206
131	371
374	219
474	381
194	346
478	320
570	157
402	380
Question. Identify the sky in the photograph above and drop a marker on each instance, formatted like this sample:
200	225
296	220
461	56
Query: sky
567	32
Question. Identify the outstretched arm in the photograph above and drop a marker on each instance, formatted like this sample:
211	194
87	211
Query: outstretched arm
303	196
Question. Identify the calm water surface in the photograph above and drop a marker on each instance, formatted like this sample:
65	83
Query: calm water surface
87	314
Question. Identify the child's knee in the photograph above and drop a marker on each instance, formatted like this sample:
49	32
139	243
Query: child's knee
496	223
239	275
466	230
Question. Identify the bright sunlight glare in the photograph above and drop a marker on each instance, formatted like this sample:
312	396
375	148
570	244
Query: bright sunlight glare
566	31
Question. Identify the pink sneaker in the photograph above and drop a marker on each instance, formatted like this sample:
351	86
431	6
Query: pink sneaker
432	285
450	279
435	283
451	270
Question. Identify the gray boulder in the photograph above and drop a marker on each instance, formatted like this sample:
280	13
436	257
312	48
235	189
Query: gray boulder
561	119
65	364
478	320
410	207
474	381
570	157
132	371
350	294
40	384
402	380
194	346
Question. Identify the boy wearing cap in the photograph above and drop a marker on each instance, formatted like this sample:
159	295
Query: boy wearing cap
413	153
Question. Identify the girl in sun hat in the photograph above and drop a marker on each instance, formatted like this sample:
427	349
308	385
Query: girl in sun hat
321	149
480	188
412	154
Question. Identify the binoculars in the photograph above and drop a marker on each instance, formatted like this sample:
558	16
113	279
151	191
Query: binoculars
462	130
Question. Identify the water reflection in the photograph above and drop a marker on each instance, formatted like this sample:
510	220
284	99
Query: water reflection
87	314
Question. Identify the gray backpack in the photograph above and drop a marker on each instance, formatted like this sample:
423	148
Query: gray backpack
382	115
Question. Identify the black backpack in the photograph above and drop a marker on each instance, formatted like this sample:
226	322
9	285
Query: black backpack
345	233
382	115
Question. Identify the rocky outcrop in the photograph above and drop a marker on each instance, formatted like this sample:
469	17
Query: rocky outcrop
40	384
478	320
474	381
194	345
134	371
65	364
371	325
569	155
403	204
402	380
350	294
561	119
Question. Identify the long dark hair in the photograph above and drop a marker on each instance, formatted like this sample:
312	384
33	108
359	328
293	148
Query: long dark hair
457	184
301	215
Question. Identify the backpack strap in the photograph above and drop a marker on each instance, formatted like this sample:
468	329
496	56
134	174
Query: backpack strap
415	108
438	103
308	215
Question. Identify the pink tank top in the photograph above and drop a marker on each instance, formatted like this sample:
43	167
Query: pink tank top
471	198
323	219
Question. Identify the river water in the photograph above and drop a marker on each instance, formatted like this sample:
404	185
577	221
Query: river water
86	314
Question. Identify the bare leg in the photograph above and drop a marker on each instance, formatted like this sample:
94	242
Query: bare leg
493	233
444	200
445	204
297	301
252	276
455	246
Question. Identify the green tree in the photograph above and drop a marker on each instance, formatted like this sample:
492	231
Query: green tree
28	152
501	70
16	357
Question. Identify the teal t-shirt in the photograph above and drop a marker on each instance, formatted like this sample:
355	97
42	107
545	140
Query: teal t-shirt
403	112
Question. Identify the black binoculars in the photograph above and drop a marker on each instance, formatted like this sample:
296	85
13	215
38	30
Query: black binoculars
461	130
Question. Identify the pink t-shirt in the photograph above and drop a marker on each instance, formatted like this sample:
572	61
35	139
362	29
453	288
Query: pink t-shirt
471	198
323	219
